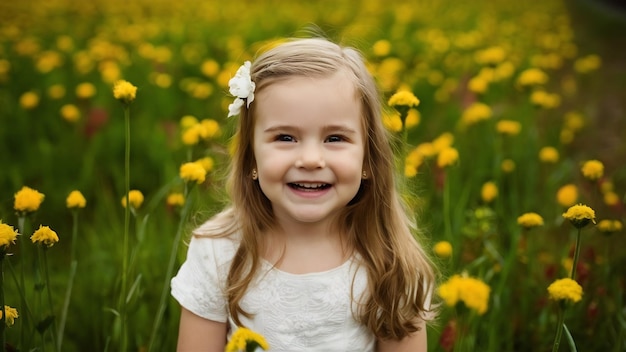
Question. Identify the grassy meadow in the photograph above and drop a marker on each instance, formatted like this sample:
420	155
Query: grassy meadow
520	118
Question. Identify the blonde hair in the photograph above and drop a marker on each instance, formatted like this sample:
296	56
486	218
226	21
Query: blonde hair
376	223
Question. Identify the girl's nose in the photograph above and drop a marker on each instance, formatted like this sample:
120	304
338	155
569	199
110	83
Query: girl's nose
311	157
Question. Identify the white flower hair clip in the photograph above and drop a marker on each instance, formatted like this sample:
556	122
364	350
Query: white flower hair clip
241	87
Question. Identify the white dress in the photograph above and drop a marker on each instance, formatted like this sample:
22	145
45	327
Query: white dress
309	312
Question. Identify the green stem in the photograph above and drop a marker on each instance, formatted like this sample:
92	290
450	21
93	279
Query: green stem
570	339
576	255
446	207
4	313
70	280
47	278
21	224
170	270
559	329
122	302
66	304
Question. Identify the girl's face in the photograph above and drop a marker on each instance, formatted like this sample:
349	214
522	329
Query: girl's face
309	147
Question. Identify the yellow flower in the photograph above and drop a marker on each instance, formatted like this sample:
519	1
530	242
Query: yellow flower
85	90
549	155
209	128
392	121
29	100
470	291
532	77
124	91
70	113
507	166
610	198
243	337
75	200
192	171
207	163
403	98
609	226
544	99
45	236
566	290
210	68
587	64
567	195
475	113
489	192
188	121
592	170
445	140
508	127
27	200
7	235
443	249
490	56
530	220
413	118
447	157
175	199
136	199
191	136
580	215
381	48
11	315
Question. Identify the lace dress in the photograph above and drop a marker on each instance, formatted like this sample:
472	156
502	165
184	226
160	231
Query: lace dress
309	312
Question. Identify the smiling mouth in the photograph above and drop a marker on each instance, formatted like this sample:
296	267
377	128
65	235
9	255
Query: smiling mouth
309	187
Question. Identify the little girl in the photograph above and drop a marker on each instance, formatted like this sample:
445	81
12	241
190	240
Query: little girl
316	252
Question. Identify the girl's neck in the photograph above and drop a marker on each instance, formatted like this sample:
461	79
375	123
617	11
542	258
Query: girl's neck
302	248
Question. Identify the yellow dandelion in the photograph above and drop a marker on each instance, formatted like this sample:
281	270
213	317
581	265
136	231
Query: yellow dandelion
85	90
7	235
567	195
548	155
27	200
443	249
70	113
580	215
475	113
75	200
29	100
472	292
592	170
565	290
405	99
124	91
489	192
192	171
207	163
244	339
45	236
530	220
381	48
608	226
532	77
447	157
176	199
507	166
135	198
209	128
508	127
11	315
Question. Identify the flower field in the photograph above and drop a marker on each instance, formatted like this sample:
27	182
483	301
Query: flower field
509	124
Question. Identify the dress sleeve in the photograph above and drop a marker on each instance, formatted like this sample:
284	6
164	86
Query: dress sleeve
199	285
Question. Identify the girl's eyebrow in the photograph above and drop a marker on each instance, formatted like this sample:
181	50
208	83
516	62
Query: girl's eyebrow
325	129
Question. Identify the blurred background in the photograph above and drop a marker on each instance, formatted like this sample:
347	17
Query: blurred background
62	130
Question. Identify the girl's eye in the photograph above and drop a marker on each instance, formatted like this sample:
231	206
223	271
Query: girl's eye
334	138
284	138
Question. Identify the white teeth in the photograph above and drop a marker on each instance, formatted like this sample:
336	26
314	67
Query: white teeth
309	185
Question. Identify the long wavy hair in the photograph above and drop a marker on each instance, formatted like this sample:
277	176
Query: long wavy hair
376	223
